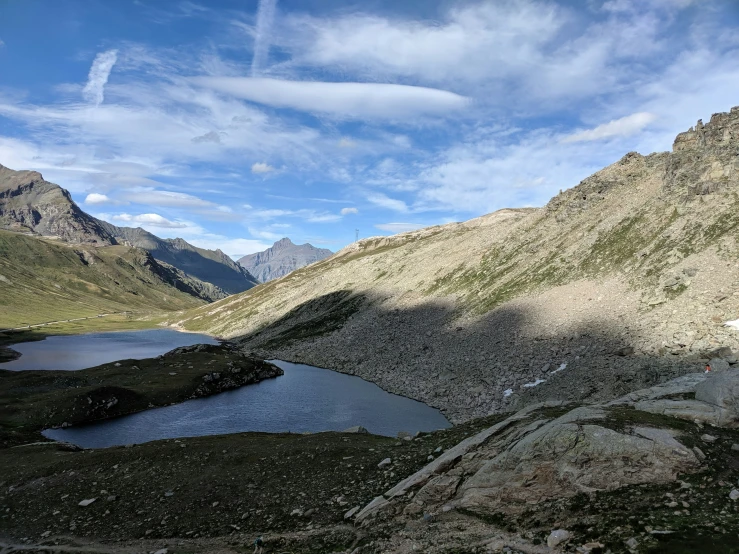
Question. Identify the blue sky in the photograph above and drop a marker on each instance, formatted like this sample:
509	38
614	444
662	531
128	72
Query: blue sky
234	123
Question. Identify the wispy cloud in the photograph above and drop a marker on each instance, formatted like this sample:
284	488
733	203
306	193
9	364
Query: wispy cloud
98	76
384	201
624	126
349	211
262	35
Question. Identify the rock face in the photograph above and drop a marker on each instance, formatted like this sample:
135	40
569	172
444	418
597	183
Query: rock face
30	204
282	258
624	281
528	458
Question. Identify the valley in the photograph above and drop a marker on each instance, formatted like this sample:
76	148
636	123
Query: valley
568	344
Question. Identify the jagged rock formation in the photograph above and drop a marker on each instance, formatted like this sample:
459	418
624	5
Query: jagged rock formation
282	258
30	204
622	282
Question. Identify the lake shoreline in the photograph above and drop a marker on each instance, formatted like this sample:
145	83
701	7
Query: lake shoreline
34	400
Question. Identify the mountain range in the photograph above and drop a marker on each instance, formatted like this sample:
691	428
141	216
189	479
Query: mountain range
30	204
622	281
282	258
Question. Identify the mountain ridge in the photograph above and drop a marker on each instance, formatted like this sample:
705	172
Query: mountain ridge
29	203
282	258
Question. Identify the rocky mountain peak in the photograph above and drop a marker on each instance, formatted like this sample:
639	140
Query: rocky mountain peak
281	258
722	130
284	242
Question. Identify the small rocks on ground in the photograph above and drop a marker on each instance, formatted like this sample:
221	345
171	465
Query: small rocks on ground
385	462
557	537
87	502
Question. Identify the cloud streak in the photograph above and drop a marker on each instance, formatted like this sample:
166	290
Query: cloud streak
98	76
622	127
350	100
262	35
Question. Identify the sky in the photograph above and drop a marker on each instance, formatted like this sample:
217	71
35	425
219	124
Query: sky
233	123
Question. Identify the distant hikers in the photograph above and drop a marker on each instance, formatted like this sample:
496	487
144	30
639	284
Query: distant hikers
258	546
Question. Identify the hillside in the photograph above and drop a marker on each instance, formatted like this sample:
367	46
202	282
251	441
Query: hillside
281	258
43	280
30	204
621	282
212	266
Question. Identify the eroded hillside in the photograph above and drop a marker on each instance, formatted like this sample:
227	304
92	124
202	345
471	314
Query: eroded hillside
622	281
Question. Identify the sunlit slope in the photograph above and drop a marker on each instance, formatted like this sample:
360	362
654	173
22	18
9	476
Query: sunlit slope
42	281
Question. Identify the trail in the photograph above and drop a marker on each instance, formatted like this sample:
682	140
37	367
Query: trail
61	321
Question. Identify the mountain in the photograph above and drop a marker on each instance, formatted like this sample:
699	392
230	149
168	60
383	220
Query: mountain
46	280
30	204
212	266
620	282
282	258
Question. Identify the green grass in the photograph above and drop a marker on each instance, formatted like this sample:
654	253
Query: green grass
44	281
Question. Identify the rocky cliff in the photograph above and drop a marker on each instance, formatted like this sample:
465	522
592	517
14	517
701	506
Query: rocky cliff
30	204
621	282
282	258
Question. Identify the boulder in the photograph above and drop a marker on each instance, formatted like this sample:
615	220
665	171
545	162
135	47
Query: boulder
721	390
356	429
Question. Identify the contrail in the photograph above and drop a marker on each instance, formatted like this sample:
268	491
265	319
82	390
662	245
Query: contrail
98	76
265	17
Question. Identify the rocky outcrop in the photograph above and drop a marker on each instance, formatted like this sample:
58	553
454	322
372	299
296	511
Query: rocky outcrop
282	258
531	457
28	203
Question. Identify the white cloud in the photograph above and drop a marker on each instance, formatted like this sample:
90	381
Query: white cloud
471	42
384	201
263	34
96	198
345	142
149	220
98	77
399	227
347	211
352	100
624	126
261	167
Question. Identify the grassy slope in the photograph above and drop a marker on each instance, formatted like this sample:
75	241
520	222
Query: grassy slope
45	281
621	222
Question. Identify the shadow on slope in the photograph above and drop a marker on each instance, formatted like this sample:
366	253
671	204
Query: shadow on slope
467	367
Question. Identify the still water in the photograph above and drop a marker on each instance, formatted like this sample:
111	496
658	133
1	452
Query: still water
305	399
71	352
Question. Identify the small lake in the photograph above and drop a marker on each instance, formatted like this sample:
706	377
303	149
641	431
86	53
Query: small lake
305	399
72	352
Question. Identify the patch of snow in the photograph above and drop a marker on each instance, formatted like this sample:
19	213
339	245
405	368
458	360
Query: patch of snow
734	324
535	383
560	368
507	393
